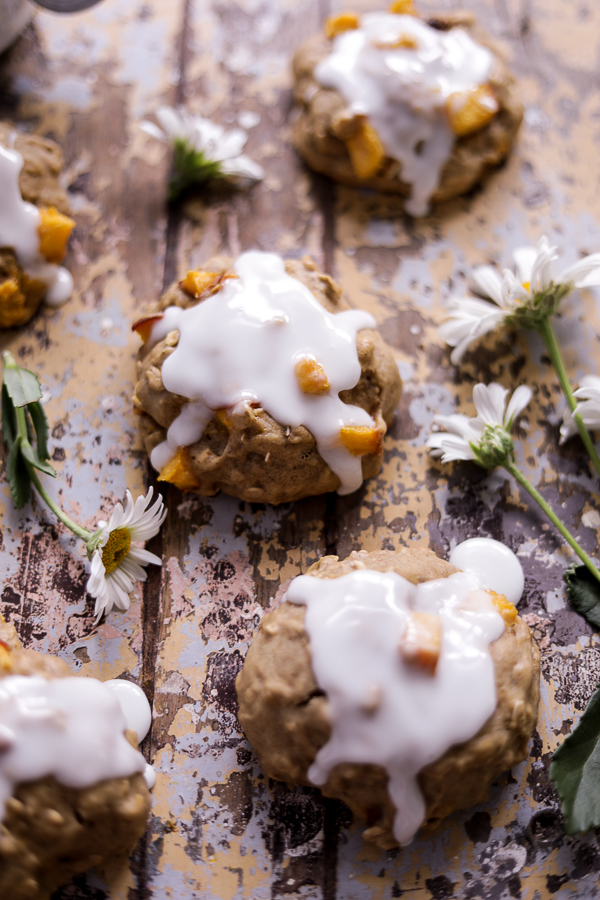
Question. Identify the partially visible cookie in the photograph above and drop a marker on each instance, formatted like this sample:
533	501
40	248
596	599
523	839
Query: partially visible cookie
418	107
32	242
292	406
51	830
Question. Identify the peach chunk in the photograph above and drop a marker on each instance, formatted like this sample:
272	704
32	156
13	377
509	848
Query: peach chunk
342	22
6	663
54	231
197	282
144	326
469	111
403	8
420	644
361	440
311	376
179	471
365	150
504	607
406	41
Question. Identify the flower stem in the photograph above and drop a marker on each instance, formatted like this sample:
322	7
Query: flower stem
512	469
549	339
77	530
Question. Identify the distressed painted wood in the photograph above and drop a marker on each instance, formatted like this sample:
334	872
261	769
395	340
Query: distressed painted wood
219	828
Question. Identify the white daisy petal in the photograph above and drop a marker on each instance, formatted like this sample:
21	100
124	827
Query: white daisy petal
490	402
488	282
517	404
584	273
524	258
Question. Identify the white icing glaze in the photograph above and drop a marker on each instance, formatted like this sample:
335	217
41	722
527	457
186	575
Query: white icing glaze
355	624
134	704
149	776
70	728
241	346
493	563
19	222
402	91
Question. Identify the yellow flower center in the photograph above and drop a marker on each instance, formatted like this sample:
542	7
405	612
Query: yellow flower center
116	549
526	285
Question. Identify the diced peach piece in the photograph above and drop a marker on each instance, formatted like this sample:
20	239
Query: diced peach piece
311	376
420	644
469	111
403	8
8	289
197	282
144	326
361	440
179	471
54	231
342	22
6	663
406	41
506	609
365	150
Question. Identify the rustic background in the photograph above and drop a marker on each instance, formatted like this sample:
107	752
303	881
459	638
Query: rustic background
218	827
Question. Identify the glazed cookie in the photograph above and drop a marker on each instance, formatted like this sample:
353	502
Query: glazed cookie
395	683
72	788
256	378
34	227
418	107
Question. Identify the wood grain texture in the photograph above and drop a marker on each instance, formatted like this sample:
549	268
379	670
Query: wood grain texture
218	827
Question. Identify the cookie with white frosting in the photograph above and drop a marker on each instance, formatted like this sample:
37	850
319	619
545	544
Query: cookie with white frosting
34	226
256	378
72	786
394	682
391	101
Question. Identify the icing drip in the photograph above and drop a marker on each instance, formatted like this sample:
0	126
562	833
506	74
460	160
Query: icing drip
402	90
384	709
241	345
19	222
493	563
69	728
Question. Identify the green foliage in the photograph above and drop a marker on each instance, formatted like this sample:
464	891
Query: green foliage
24	430
584	593
575	771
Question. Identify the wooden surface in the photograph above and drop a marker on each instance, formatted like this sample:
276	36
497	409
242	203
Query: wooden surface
218	827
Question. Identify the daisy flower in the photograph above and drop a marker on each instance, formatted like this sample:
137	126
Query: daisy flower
485	439
116	563
526	298
589	410
202	149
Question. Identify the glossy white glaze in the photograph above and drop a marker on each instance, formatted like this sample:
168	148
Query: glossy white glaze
386	711
402	91
70	728
19	222
134	704
241	345
493	563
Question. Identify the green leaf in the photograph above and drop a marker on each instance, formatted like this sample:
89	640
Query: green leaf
18	476
29	453
584	593
9	420
40	423
22	385
575	771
